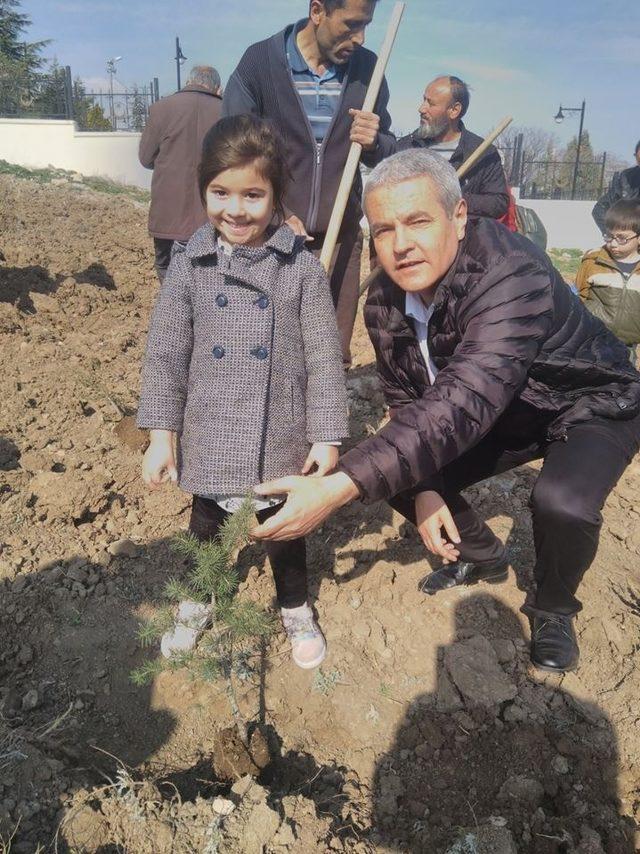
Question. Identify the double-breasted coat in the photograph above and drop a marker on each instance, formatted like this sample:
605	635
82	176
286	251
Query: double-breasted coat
243	362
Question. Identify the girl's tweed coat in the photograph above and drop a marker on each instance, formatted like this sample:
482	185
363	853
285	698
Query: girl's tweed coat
243	362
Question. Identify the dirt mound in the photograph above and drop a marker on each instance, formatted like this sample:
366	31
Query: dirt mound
424	731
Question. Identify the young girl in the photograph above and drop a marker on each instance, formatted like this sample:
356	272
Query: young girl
243	372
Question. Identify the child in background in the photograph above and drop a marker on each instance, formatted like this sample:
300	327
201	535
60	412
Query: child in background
243	370
608	279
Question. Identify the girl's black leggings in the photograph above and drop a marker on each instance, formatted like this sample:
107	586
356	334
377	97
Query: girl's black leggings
288	559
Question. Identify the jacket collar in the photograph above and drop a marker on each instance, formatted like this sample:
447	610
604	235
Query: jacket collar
606	260
205	243
193	87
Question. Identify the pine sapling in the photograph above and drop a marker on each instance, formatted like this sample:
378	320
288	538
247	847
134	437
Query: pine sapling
237	627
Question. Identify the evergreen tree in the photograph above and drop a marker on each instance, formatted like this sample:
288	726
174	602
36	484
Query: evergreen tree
138	109
20	61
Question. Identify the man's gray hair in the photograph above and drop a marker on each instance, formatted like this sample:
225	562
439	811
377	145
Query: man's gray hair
418	163
205	76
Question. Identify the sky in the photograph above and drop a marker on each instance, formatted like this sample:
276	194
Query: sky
520	59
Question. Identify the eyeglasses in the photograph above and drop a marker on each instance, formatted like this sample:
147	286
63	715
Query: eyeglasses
619	241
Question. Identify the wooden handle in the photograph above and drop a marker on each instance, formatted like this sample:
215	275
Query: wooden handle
480	150
349	172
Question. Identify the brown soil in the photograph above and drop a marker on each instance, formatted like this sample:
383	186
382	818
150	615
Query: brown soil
425	730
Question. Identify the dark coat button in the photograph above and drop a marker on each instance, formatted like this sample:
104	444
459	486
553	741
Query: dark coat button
218	352
260	353
263	302
222	300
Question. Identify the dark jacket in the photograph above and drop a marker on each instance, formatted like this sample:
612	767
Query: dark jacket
506	334
262	84
484	186
170	145
624	185
243	361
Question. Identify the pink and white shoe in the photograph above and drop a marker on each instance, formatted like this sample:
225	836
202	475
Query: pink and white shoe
308	646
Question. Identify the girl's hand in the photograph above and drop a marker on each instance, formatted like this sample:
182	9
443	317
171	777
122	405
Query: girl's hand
432	514
158	463
324	457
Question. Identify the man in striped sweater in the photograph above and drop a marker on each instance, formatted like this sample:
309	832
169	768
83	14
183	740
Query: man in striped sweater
310	80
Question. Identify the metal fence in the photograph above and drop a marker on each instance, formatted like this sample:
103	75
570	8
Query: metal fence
546	178
56	95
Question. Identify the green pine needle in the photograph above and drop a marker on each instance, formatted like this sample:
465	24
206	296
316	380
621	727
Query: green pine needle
146	673
177	591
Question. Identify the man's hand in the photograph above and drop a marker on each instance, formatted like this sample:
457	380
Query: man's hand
364	129
297	227
158	463
323	456
309	502
432	515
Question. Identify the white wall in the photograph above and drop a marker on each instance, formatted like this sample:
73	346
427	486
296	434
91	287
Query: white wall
569	224
39	143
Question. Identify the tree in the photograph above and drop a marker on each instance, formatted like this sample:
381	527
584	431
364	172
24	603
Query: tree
20	61
589	169
138	109
224	650
539	148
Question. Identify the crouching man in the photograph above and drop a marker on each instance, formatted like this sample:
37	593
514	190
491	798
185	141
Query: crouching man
488	361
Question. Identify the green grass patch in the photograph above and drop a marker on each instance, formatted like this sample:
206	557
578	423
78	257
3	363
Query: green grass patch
99	185
566	261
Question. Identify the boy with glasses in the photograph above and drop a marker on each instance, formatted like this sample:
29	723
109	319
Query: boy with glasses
608	279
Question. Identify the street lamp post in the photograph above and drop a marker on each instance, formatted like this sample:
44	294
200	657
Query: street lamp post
559	117
180	59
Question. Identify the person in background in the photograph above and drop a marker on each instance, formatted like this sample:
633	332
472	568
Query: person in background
624	185
310	81
170	145
442	131
608	280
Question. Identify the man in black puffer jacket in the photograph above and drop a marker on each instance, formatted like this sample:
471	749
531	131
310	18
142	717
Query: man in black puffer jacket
487	361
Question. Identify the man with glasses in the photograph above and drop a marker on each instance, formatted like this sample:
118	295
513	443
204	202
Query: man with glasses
310	80
624	185
608	279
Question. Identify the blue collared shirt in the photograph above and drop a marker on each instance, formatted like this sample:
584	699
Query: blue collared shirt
320	94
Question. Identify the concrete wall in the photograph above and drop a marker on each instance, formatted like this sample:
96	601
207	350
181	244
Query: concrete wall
569	224
39	143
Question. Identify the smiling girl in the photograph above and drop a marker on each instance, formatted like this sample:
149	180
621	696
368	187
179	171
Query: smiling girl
243	379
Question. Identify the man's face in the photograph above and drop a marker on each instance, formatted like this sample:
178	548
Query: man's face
437	111
342	31
415	240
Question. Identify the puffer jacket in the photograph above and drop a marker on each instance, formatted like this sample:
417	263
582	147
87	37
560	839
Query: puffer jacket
611	296
505	331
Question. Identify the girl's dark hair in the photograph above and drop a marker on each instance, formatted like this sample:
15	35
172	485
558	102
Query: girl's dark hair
623	215
237	141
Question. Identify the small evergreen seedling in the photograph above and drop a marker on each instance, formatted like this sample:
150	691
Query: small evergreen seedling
236	626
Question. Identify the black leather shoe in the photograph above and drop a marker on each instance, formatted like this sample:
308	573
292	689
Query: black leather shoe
463	572
554	646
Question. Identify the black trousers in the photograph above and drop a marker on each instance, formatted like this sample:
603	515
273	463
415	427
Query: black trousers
162	249
566	501
288	559
344	274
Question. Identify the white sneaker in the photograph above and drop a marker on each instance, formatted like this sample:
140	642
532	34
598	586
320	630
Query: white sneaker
308	646
191	620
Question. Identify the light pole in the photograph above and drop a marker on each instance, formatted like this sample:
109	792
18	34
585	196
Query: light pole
180	59
111	70
559	117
